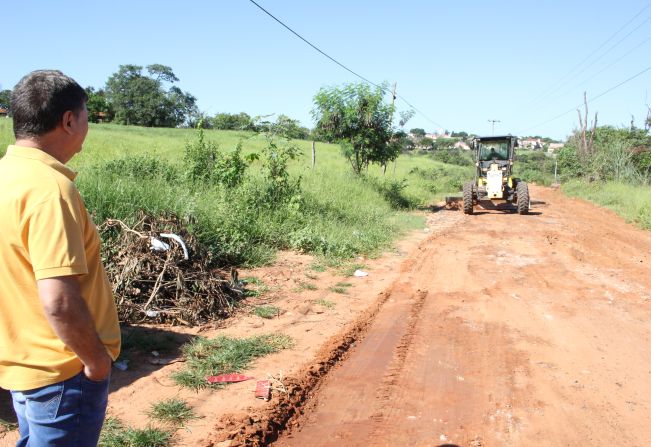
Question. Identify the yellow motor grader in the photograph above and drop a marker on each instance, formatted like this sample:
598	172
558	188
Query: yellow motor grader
494	186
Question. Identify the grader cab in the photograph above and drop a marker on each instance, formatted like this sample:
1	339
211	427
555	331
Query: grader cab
494	185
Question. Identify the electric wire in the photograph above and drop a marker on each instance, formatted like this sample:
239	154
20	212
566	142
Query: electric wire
608	66
563	80
600	57
591	100
383	89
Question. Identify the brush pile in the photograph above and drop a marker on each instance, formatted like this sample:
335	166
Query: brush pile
175	283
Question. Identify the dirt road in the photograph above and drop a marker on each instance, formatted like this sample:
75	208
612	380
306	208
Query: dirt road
503	330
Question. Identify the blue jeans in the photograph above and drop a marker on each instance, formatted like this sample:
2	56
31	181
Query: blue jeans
66	414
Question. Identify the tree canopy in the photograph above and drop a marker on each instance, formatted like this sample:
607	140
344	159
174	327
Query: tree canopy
5	99
141	99
356	116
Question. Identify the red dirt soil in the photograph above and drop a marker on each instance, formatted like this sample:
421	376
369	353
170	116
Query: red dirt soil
506	330
486	330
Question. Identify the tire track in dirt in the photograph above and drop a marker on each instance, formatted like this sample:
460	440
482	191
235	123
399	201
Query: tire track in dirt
508	330
526	337
390	315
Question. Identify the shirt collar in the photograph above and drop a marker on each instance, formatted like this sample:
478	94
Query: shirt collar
42	156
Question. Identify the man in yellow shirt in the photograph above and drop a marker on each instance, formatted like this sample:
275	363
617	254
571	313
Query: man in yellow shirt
58	327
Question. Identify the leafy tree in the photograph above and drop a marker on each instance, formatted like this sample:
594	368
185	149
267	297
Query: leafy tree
444	143
227	121
290	128
426	143
143	100
619	154
459	134
97	104
5	99
417	132
357	117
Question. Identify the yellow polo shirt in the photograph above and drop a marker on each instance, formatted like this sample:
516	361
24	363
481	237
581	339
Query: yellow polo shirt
45	232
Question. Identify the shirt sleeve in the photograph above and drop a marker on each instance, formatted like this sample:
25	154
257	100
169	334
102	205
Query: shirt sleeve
55	240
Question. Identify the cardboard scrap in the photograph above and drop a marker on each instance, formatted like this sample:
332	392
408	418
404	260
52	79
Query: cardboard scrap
263	389
228	378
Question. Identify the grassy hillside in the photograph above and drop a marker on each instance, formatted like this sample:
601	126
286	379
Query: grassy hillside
629	201
333	213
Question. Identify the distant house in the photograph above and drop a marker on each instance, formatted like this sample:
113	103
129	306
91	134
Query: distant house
4	112
462	145
553	147
534	144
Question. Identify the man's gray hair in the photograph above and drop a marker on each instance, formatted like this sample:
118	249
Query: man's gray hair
40	99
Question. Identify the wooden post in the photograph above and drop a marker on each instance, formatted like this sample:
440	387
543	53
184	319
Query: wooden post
393	100
313	154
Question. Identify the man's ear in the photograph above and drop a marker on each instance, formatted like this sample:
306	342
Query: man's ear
67	121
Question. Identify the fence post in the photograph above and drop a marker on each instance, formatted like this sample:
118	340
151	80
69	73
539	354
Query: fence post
313	154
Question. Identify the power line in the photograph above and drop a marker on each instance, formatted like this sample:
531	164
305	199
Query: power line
591	100
601	56
313	46
383	89
561	81
609	65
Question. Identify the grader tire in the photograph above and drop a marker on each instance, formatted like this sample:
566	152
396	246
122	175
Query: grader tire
522	190
468	198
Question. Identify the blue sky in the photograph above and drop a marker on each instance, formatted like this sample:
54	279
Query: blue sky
461	63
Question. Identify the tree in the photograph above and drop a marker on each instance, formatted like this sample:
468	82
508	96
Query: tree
417	132
97	105
357	117
459	134
228	121
5	99
143	100
290	128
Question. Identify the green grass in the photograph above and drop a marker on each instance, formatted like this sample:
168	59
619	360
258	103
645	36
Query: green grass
305	285
336	215
318	267
172	411
267	312
116	434
325	303
336	289
344	284
631	202
259	287
223	355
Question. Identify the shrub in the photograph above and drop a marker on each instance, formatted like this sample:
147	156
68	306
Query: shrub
452	156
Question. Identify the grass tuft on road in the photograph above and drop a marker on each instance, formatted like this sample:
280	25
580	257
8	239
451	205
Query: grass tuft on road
172	411
224	355
116	434
266	312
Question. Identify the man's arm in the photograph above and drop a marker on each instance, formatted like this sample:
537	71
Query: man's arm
67	313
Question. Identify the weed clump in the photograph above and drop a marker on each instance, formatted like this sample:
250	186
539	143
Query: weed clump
224	355
172	411
116	434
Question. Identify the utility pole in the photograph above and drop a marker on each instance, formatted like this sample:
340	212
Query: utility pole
493	123
393	100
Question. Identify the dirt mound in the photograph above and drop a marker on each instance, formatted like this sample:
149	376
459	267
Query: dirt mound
161	274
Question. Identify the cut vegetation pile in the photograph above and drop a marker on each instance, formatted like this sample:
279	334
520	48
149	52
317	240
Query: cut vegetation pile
162	286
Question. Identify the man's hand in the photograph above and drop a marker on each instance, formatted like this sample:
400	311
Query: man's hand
67	313
97	373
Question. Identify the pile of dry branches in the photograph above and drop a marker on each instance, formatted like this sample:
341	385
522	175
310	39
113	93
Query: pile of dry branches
163	286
